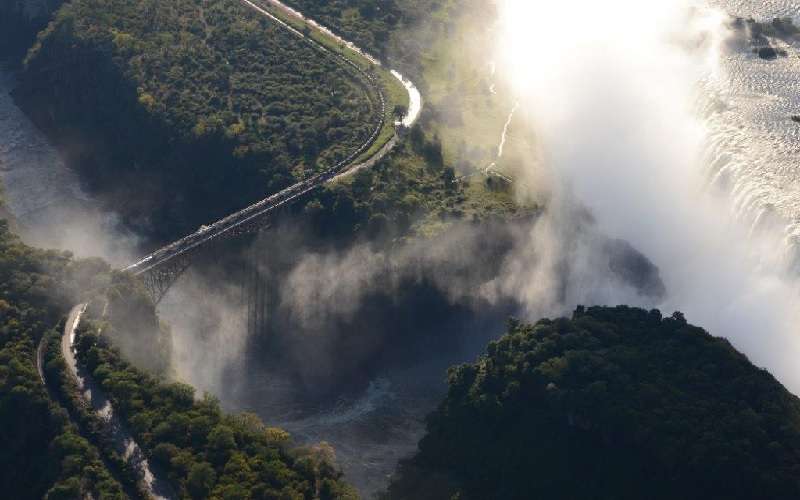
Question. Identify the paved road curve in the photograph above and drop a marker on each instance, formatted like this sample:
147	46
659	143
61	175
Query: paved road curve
123	442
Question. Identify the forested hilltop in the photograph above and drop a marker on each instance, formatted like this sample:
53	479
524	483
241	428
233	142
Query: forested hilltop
186	111
613	403
42	452
181	113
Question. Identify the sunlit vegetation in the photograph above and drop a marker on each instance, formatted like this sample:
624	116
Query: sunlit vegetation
438	44
396	97
614	403
410	193
397	32
207	453
198	107
42	452
192	110
369	24
468	100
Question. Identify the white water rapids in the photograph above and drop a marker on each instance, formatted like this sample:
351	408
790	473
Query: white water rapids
754	144
678	141
758	9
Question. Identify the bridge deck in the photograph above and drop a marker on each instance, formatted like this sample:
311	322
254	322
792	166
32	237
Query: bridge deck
260	209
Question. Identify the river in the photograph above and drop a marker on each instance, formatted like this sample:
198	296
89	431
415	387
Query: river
754	142
753	156
759	9
49	204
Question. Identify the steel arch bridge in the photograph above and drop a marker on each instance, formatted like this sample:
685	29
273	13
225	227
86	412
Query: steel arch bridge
161	268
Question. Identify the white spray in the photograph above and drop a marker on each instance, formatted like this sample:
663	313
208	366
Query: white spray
612	88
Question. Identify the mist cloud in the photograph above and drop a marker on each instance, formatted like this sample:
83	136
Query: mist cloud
617	118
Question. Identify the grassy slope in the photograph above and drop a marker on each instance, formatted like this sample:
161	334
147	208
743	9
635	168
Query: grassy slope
457	70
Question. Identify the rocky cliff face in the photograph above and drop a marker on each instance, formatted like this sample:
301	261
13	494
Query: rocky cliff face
20	21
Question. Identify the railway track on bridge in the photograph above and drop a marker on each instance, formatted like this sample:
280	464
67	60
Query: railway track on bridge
162	267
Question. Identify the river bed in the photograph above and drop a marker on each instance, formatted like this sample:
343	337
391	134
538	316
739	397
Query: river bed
370	430
50	206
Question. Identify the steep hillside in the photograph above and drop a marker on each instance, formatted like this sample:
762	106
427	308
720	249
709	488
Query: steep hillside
42	452
46	455
614	403
206	453
185	111
369	24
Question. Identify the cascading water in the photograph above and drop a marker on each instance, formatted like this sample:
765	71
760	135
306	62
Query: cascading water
611	89
759	9
752	140
747	148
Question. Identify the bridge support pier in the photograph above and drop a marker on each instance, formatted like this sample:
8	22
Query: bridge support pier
158	280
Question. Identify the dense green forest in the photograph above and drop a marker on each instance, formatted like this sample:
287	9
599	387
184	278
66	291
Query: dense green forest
372	24
613	403
207	453
369	24
42	452
45	454
185	111
411	193
179	114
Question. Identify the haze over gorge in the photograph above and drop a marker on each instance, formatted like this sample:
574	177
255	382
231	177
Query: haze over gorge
342	227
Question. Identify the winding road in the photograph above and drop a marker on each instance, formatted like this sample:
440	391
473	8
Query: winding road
123	441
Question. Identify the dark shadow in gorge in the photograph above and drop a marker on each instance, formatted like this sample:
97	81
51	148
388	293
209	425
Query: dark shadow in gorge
349	342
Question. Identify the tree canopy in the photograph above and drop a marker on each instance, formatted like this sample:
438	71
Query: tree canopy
199	108
42	452
613	403
207	453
